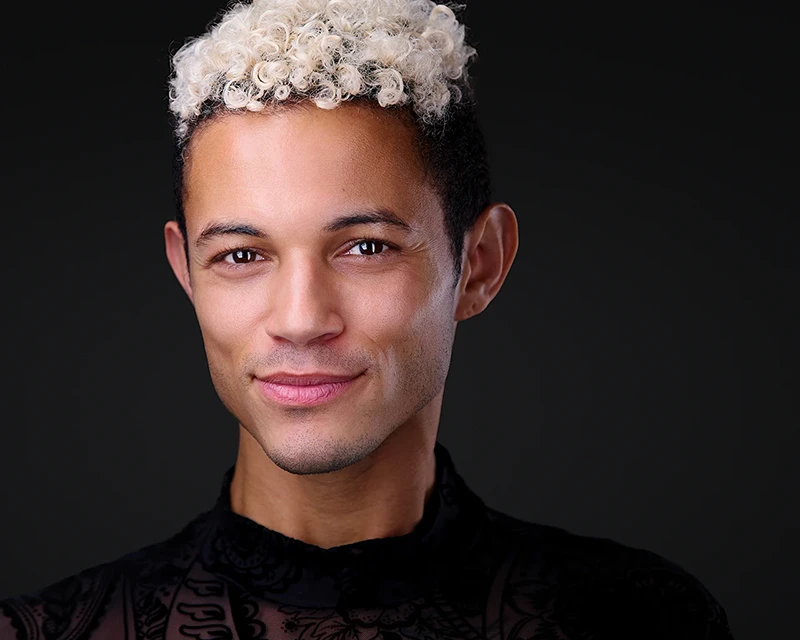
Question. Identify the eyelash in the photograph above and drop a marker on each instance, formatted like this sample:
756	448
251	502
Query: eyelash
220	257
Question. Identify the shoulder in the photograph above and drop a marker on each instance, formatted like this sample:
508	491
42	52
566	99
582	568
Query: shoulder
94	599
601	588
70	606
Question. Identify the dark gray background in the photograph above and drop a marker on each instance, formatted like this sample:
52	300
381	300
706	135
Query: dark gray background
632	380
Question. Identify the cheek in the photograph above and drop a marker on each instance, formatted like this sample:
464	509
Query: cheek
407	320
225	317
382	315
388	308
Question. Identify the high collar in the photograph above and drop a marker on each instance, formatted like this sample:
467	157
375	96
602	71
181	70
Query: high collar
267	564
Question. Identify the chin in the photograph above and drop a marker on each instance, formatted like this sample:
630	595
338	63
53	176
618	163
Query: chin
306	454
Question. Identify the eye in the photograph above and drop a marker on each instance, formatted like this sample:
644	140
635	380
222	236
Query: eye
240	255
370	247
235	257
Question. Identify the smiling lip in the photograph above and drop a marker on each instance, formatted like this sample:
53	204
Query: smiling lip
305	390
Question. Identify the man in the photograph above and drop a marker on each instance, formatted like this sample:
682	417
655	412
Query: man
334	225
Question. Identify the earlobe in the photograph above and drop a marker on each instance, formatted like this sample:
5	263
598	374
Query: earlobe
176	255
490	248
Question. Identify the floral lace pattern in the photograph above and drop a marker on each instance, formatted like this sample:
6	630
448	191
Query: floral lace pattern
466	572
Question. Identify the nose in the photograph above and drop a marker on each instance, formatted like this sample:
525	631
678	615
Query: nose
303	306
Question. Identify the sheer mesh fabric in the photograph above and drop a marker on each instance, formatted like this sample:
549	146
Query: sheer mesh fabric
465	572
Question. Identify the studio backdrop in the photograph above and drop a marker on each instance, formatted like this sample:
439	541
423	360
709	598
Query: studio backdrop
633	379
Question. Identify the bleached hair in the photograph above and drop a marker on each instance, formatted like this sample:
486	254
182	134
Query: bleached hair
327	51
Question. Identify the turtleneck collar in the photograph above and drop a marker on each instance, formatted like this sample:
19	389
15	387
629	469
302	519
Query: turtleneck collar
380	571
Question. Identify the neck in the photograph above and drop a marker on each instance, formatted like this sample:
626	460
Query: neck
382	495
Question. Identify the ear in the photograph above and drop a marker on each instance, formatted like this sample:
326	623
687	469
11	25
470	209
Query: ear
173	239
489	250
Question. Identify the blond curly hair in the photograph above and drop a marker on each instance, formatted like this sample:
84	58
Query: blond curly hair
327	51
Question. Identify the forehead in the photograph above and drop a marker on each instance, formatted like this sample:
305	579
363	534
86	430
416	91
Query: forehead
352	151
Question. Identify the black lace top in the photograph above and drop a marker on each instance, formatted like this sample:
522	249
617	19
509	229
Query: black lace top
465	572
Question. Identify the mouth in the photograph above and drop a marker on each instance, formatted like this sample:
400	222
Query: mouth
307	390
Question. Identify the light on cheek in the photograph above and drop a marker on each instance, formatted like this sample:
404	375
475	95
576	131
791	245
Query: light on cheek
225	318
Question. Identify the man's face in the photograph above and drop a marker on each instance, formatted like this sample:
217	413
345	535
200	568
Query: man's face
306	299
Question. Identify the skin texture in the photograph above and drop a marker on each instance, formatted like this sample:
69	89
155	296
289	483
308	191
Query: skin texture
306	300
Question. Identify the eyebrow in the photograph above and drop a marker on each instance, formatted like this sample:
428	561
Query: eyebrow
374	216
